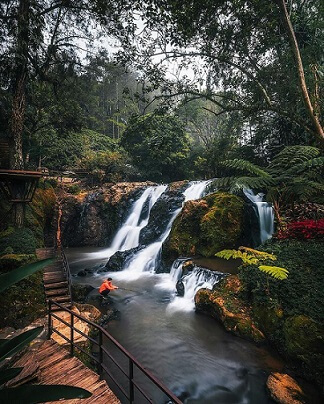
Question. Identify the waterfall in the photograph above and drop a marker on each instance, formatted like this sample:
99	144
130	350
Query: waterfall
127	236
146	260
196	279
265	214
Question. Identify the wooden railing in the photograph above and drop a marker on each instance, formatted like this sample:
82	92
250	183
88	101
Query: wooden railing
104	354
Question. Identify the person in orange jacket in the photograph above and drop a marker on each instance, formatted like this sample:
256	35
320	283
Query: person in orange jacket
106	287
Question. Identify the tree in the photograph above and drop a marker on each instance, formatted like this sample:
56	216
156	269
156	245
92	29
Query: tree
43	34
243	48
158	146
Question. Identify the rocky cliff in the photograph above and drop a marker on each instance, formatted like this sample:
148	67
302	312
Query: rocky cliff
91	218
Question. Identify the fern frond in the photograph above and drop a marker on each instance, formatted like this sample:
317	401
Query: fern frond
251	182
261	255
243	165
235	254
275	272
315	163
291	156
224	182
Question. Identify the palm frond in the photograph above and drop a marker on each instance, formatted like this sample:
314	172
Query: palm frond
275	272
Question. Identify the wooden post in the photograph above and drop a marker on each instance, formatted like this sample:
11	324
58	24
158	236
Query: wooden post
49	331
130	378
72	336
100	354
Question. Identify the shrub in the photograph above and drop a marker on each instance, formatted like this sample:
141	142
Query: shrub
21	241
306	229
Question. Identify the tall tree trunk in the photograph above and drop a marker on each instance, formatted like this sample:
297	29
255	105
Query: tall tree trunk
19	99
300	69
19	84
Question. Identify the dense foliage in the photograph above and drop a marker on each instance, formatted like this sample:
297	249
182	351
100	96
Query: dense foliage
158	146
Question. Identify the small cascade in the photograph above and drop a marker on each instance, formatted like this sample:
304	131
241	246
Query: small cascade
265	214
127	236
198	278
147	259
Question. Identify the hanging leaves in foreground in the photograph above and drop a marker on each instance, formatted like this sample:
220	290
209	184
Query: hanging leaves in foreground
10	278
13	345
32	394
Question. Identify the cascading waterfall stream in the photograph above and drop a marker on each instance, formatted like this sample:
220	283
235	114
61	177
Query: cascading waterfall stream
196	279
265	214
127	236
146	260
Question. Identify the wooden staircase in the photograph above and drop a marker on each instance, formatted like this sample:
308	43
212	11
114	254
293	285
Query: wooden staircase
56	278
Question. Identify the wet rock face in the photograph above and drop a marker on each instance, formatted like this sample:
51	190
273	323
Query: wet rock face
206	226
162	212
284	389
117	261
93	219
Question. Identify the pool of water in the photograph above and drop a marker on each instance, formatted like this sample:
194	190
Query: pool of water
189	352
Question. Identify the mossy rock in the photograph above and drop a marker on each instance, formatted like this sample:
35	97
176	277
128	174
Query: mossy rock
206	226
225	305
270	319
304	342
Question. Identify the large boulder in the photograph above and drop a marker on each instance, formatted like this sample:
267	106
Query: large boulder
223	303
206	226
284	389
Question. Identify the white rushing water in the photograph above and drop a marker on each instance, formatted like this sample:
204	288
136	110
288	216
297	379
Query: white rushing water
146	260
195	280
265	214
127	236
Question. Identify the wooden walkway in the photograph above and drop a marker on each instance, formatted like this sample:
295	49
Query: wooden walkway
49	363
55	280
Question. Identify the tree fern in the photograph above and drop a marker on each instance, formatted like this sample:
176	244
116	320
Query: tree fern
275	272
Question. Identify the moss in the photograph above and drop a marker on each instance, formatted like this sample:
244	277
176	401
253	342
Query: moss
225	305
304	342
206	226
291	312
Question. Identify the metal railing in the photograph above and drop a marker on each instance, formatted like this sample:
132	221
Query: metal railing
66	270
103	354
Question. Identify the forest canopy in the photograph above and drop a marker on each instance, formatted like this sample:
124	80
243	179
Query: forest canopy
97	85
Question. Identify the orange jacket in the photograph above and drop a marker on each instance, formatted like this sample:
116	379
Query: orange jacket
107	285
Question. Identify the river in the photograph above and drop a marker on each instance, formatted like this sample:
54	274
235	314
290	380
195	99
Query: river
191	353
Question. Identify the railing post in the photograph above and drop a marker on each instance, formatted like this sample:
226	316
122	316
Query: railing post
100	354
49	331
130	379
72	336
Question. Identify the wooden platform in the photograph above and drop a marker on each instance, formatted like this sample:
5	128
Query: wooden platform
49	363
55	281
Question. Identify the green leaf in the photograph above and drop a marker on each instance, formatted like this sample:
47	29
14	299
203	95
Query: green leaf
8	374
15	344
275	272
9	278
32	394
